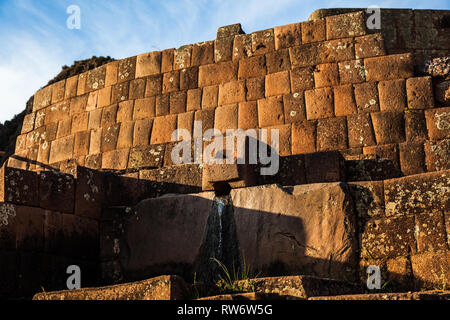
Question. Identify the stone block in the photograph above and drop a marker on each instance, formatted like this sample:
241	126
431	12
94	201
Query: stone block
360	130
420	93
95	141
71	87
252	67
126	69
326	75
294	107
137	88
194	99
42	98
226	117
171	81
412	158
344	101
242	46
389	127
210	97
96	78
56	191
125	111
189	78
313	31
78	104
104	97
288	36
430	232
167	60
346	25
223	49
177	102
415	126
28	123
29	229
278	61
387	152
366	96
115	159
263	41
110	135
185	121
109	116
162	105
388	238
125	138
18	186
142	130
81	144
120	92
431	270
368	197
417	194
214	74
111	73
304	137
58	91
202	53
89	193
438	123
148	64
370	46
319	103
255	88
231	92
206	117
392	95
270	111
148	156
277	84
437	155
352	72
153	86
81	86
61	149
332	134
397	66
163	127
248	115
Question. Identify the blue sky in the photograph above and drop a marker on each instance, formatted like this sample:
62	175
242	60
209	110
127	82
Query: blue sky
35	41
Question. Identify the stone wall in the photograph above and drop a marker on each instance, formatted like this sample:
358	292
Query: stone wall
324	85
352	110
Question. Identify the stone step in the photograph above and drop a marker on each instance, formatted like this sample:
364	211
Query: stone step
159	288
300	287
175	288
424	295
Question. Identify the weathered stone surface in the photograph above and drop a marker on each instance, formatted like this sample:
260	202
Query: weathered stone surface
296	229
177	223
245	296
431	270
18	186
301	287
388	238
368	197
160	288
421	193
56	191
390	296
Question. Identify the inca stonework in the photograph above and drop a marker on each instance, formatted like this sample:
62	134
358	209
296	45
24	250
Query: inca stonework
364	172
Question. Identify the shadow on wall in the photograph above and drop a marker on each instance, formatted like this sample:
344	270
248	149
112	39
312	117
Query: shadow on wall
308	229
